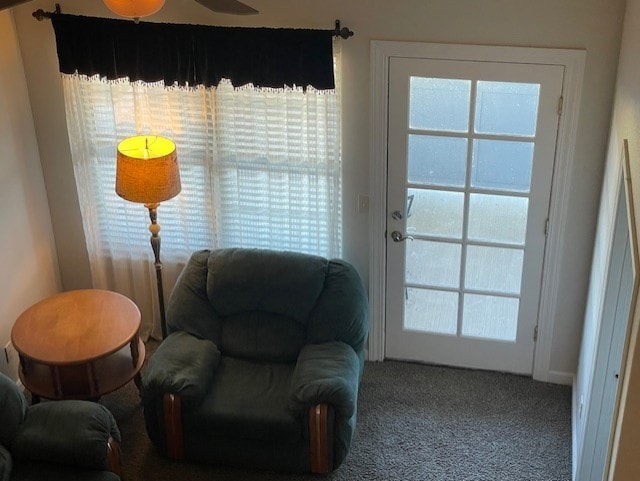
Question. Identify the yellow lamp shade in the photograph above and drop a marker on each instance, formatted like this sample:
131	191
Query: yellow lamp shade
134	8
147	169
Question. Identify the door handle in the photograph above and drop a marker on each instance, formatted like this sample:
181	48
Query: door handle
398	237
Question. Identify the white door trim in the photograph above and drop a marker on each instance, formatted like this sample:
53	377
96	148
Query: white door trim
573	61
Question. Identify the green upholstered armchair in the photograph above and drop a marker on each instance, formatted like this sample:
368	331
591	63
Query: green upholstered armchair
262	363
61	440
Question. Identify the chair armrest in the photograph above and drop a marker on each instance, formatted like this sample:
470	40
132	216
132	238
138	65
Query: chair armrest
182	364
114	457
75	433
326	373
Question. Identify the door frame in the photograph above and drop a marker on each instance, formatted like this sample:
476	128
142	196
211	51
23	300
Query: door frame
573	62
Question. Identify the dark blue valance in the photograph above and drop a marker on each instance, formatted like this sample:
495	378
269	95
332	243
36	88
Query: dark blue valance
194	54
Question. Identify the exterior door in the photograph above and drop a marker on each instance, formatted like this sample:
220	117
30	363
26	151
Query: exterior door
471	148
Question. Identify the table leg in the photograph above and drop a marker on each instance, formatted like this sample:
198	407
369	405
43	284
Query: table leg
24	365
57	382
94	387
135	354
137	380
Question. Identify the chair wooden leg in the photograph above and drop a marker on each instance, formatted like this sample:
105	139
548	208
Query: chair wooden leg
113	457
319	443
173	426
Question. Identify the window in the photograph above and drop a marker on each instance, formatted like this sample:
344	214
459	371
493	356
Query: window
259	167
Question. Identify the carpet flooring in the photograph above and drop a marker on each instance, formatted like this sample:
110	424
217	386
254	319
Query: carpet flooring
415	423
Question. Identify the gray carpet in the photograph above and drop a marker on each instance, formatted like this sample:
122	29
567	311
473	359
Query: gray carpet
415	422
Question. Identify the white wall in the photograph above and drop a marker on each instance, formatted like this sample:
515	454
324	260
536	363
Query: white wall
593	25
27	249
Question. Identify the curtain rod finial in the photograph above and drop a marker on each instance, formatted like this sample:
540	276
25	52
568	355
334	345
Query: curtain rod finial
40	14
343	32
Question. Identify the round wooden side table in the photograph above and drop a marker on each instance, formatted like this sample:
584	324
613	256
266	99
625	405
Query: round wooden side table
79	345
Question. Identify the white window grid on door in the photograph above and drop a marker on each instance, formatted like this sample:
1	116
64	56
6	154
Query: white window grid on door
464	240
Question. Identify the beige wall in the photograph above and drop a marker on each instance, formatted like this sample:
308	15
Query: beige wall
27	249
593	25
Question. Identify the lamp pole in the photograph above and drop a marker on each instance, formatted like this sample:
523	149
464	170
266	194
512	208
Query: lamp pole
154	228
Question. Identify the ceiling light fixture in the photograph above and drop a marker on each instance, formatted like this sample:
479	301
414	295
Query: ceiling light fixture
134	8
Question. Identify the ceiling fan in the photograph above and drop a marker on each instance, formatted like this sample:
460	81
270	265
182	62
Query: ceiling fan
228	6
233	7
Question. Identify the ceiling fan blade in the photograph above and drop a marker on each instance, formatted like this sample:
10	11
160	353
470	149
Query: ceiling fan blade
10	3
233	7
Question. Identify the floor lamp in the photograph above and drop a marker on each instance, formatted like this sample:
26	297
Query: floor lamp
147	172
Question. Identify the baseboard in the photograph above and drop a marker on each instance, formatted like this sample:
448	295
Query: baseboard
561	377
574	429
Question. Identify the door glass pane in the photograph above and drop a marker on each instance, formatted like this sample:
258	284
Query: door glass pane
437	160
494	269
507	108
498	218
433	263
435	212
439	104
502	165
431	311
490	317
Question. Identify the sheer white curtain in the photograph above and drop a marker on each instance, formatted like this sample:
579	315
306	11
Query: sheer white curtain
278	169
259	168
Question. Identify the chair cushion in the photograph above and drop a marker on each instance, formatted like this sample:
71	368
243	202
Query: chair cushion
287	284
247	400
262	336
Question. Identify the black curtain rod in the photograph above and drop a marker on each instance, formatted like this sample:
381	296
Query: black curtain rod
338	31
